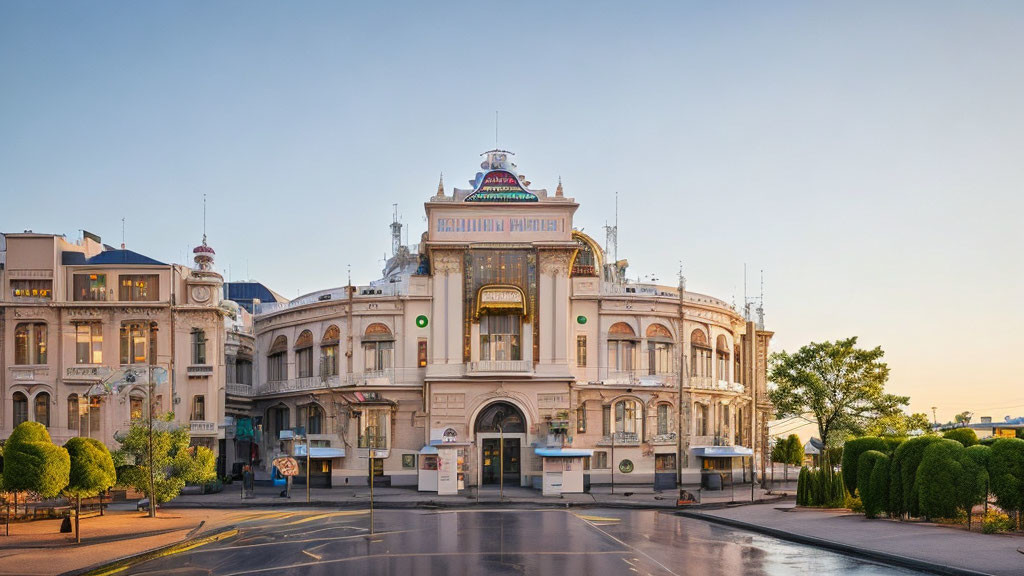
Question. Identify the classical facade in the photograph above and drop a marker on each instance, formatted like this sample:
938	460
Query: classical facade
507	333
85	327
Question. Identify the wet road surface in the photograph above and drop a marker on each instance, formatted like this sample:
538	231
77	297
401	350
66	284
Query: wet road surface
591	542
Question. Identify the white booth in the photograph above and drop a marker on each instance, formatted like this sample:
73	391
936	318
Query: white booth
428	469
563	470
451	468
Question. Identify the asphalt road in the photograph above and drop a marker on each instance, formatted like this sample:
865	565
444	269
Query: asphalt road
444	543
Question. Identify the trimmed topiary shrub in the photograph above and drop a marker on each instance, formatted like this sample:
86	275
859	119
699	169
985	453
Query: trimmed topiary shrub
903	495
874	502
801	487
1006	471
892	443
988	441
33	463
851	456
941	479
878	485
964	436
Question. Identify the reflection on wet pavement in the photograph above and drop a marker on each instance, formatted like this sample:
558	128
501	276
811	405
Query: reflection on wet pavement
592	542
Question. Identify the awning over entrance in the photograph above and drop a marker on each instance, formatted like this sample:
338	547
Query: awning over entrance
428	449
722	451
319	452
564	452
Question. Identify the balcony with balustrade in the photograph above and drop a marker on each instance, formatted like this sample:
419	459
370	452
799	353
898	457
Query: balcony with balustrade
499	368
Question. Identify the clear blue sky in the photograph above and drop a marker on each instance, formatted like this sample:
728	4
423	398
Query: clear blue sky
867	155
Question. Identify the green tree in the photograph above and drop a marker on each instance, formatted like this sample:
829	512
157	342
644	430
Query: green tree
941	479
977	481
965	436
842	386
873	480
903	492
175	463
898	424
852	451
802	488
1006	471
794	450
963	418
33	463
92	472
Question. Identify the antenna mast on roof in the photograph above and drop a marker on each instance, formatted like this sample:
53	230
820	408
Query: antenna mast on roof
122	233
611	233
396	232
495	129
204	218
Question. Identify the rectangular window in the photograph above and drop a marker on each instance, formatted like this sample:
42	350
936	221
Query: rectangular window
73	412
581	419
599	461
662	419
243	372
198	347
421	352
329	360
30	343
135	407
581	351
379	355
373	428
606	420
133	343
304	362
659	357
499	337
32	289
89	343
139	288
90	288
276	366
198	407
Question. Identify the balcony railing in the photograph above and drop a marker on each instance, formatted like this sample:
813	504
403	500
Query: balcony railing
200	370
202	427
710	441
638	377
621	439
707	383
236	389
500	366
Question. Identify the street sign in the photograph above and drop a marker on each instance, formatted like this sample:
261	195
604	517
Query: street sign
379	452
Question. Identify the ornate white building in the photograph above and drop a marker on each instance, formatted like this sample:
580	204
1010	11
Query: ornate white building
504	324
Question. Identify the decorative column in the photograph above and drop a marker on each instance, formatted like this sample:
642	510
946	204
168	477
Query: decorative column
553	301
446	307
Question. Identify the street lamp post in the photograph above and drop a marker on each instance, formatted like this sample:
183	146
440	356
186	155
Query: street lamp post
308	451
501	463
149	401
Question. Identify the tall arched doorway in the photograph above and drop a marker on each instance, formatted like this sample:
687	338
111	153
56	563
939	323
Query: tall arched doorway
500	431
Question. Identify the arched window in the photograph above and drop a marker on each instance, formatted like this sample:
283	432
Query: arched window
312	417
74	413
30	343
622	342
629	419
20	405
277	360
136	405
279	416
329	351
587	261
722	350
304	354
43	409
659	350
378	347
700	354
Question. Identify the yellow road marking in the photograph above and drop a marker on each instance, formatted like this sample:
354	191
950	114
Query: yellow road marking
183	547
327	515
598	518
313	556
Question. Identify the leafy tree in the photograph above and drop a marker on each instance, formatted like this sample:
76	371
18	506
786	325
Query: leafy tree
92	472
175	463
794	450
841	385
873	480
898	424
903	491
33	463
965	436
941	479
977	483
852	451
1006	470
802	487
963	418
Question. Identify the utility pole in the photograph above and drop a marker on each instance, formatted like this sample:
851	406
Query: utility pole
152	482
935	418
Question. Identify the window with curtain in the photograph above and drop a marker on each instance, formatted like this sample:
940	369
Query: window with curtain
629	417
20	406
277	367
199	407
664	426
304	362
581	351
32	289
89	343
43	409
659	358
378	355
198	347
90	288
373	428
135	343
700	420
313	419
243	371
91	419
139	288
329	351
606	420
499	337
30	343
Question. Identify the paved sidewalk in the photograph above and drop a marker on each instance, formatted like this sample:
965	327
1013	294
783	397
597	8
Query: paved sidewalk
919	543
408	497
38	547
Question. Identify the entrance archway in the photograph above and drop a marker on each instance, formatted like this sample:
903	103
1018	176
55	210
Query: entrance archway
500	430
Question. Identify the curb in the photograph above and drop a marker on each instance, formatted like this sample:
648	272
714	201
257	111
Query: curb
845	549
122	564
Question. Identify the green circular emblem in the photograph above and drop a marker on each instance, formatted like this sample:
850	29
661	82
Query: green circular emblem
422	321
581	319
626	466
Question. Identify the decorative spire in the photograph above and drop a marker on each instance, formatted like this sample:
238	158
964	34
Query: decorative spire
558	191
203	254
440	186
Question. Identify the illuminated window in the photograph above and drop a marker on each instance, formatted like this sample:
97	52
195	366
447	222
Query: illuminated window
499	337
139	287
32	289
138	339
581	419
30	343
581	351
329	352
43	409
421	352
90	288
89	343
373	428
136	406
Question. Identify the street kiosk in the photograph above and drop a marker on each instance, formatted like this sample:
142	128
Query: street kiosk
563	470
